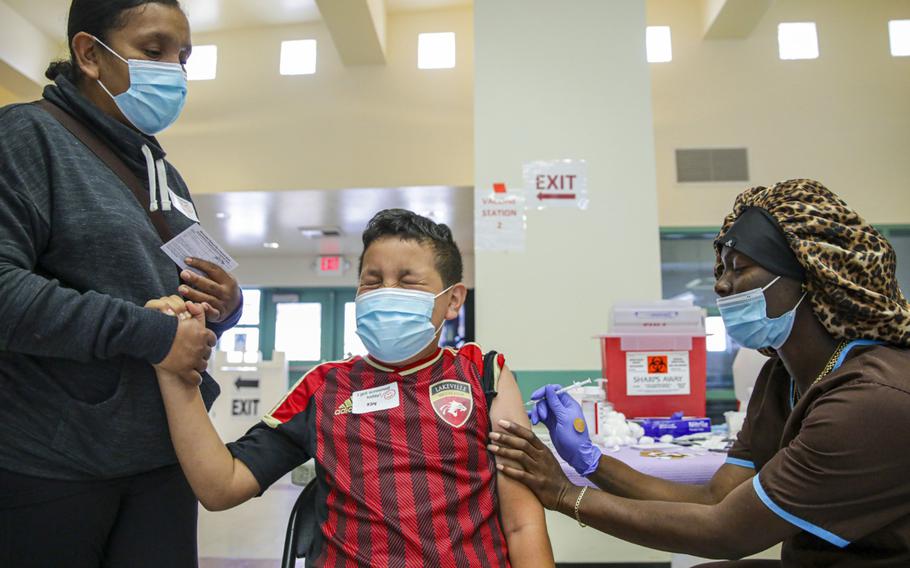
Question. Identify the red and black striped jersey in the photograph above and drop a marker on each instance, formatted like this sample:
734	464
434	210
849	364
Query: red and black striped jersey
403	474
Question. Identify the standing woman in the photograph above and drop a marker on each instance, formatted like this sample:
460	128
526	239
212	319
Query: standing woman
822	462
88	476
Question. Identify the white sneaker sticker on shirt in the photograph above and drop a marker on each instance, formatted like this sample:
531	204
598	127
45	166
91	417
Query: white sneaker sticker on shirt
375	399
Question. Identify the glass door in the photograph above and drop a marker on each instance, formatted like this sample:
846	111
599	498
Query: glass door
308	325
299	323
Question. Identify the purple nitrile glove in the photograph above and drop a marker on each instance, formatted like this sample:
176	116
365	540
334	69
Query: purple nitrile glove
563	417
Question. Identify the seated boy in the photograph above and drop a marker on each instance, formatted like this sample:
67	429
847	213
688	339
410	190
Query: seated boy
399	436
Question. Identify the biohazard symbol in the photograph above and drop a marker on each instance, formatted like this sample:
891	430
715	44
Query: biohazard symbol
657	364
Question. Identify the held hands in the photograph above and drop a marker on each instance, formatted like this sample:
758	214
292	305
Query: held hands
193	343
565	420
218	291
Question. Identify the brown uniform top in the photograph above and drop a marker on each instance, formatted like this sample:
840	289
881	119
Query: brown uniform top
837	464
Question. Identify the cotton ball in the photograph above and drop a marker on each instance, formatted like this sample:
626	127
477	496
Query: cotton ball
622	430
628	441
612	441
637	430
645	440
667	439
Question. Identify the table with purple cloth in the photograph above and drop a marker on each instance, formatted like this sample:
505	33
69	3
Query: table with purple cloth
696	467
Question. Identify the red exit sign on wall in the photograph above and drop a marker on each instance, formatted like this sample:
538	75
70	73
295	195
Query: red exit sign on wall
331	264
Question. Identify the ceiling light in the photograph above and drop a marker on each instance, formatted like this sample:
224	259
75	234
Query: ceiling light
221	215
797	40
271	245
436	50
319	232
203	63
658	44
899	30
298	57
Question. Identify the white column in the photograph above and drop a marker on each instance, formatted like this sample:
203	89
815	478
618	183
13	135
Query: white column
557	80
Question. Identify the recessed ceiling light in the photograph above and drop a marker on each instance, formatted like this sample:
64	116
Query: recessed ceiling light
658	44
436	50
203	63
899	30
797	40
221	215
298	57
271	245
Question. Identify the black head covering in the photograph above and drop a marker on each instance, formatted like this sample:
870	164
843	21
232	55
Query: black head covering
757	235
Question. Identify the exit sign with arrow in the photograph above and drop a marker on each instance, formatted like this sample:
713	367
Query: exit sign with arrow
242	383
557	183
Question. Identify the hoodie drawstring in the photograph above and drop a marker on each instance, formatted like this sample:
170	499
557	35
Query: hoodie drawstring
163	187
157	167
153	187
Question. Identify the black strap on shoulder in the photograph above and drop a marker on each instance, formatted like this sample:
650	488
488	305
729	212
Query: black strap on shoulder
488	378
111	160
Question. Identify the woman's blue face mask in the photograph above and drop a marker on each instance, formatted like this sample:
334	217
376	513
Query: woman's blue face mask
396	324
746	318
156	95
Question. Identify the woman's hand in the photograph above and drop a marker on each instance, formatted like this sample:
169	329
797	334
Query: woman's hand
565	420
192	345
217	291
540	471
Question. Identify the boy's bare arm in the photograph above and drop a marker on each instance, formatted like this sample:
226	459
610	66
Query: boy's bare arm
523	520
218	479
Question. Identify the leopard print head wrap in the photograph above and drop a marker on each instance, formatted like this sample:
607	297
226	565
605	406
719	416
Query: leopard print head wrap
850	267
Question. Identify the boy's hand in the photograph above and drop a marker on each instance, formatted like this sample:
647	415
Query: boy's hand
170	305
217	290
193	343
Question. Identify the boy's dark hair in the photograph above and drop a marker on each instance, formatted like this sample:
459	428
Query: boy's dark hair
98	18
410	226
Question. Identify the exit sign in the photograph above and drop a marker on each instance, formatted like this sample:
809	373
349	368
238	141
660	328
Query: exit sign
330	265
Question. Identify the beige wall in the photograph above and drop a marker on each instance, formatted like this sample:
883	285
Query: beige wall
843	119
386	126
7	97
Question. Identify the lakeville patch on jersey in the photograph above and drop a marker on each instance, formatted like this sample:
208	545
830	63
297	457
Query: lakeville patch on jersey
452	401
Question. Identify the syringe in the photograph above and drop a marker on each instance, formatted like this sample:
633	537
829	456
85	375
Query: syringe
576	384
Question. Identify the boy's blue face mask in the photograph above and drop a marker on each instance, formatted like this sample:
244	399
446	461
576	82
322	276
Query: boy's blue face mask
156	95
396	324
746	318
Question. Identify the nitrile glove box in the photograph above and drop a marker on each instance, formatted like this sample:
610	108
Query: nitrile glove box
676	425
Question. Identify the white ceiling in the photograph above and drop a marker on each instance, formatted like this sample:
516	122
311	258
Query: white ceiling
255	218
213	15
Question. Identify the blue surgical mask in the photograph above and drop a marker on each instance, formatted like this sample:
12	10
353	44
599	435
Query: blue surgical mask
746	318
156	95
396	324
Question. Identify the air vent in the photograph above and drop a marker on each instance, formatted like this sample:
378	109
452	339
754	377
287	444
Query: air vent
711	164
319	232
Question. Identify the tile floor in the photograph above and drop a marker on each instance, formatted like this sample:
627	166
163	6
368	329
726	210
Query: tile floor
248	536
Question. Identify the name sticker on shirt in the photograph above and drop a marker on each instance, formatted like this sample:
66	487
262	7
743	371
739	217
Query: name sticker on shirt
184	206
375	399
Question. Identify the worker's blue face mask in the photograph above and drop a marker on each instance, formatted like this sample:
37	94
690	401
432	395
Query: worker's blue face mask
396	324
156	95
746	318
